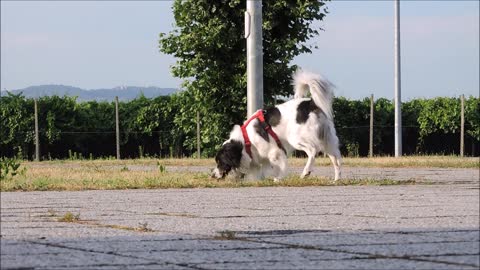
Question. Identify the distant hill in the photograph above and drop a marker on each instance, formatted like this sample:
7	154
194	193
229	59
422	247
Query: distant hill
124	93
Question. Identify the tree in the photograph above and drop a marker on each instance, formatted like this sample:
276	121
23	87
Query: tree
209	45
16	125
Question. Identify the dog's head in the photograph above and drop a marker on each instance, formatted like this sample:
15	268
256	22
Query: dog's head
228	158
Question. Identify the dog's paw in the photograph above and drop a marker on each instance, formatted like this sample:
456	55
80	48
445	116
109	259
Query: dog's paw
304	175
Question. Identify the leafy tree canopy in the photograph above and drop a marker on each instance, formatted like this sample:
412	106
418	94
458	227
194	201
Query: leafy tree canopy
209	43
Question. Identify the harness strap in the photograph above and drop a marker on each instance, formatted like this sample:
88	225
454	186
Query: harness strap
248	144
261	118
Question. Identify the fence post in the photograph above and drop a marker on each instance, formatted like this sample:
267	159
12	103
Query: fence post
117	128
462	125
198	134
37	139
370	148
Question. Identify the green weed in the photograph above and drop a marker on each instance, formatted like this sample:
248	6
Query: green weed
69	217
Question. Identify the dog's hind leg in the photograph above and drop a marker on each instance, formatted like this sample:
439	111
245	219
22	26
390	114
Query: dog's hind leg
336	159
330	145
311	153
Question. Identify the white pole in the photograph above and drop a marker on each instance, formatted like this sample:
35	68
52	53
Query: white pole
198	135
37	140
398	91
253	34
462	125
370	147
117	128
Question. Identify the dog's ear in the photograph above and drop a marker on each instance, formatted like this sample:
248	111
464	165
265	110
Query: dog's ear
229	156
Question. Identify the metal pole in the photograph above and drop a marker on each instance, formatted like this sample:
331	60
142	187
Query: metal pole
398	96
462	125
37	139
198	134
370	149
117	128
253	34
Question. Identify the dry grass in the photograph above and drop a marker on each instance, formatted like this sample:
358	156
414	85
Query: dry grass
385	162
72	218
88	177
153	174
409	162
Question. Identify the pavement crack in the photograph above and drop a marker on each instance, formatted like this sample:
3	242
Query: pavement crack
367	254
114	254
173	214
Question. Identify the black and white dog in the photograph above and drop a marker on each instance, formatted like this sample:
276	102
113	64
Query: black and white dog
304	124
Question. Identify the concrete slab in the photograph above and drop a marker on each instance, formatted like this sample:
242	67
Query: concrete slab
345	227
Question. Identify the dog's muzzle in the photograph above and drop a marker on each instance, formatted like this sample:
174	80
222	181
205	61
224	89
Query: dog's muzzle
217	174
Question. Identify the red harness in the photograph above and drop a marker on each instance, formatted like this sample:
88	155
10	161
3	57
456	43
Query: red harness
261	118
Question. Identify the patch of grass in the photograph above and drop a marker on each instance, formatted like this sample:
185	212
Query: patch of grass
69	217
384	162
143	227
161	167
226	235
84	179
111	174
72	218
411	162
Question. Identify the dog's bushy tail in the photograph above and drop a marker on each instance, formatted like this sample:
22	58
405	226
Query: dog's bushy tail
320	88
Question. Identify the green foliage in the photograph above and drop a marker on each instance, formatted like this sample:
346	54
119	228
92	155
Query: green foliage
352	120
88	130
352	149
439	114
472	117
16	123
10	167
429	125
440	117
210	49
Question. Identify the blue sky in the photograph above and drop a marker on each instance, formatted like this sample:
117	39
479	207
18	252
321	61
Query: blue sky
95	44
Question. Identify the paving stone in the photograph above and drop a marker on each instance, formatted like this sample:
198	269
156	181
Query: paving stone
416	249
371	264
462	259
73	258
342	227
184	245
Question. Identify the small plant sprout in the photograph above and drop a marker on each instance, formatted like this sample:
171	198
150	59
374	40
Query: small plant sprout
69	217
226	235
52	213
143	227
161	167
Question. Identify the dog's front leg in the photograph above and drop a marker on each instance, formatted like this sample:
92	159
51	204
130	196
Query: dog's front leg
278	162
254	173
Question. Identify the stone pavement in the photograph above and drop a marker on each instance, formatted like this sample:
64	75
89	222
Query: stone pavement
344	227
